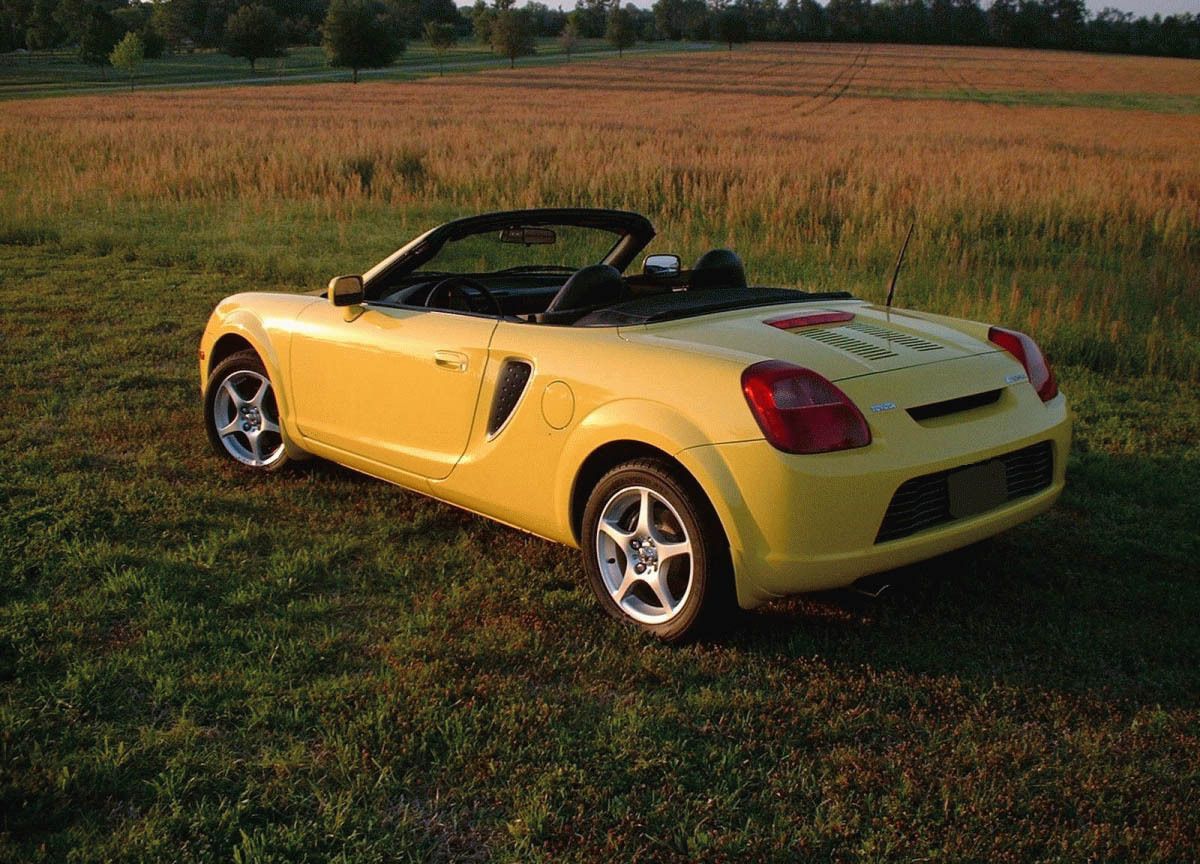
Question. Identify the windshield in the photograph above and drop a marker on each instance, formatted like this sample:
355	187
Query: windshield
563	248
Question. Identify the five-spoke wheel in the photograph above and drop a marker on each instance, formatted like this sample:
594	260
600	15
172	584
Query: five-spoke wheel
644	555
242	415
655	552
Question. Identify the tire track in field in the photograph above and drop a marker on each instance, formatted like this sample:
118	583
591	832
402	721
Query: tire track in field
828	84
866	56
837	85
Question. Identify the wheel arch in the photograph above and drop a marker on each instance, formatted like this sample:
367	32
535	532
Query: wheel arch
226	346
241	330
613	453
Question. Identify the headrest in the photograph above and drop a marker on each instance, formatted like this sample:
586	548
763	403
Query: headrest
718	268
594	285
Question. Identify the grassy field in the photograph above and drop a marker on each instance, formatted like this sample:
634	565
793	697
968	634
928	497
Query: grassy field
24	75
196	666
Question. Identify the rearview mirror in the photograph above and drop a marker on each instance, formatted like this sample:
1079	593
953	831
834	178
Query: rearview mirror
528	236
346	290
661	266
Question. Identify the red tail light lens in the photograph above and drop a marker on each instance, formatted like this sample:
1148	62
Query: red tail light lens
809	319
1041	376
799	411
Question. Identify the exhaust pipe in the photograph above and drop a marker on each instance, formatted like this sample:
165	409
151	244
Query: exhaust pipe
871	586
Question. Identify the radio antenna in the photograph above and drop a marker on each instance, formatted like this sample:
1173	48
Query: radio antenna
899	260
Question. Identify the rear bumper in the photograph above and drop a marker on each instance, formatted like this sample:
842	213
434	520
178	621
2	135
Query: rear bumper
810	523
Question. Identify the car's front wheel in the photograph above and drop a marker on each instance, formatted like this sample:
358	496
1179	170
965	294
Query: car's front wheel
242	415
655	553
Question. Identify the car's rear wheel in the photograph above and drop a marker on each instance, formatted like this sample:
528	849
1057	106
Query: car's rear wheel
242	415
655	553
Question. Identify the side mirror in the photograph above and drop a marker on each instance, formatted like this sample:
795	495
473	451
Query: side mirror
661	266
346	290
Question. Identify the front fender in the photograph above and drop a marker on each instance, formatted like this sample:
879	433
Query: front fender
270	342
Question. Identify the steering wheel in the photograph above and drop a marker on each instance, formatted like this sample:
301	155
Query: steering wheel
453	286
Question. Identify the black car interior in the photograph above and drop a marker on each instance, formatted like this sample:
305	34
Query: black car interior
544	296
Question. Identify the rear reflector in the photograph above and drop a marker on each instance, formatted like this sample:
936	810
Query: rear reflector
810	319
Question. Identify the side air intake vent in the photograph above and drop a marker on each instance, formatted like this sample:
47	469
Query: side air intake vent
514	375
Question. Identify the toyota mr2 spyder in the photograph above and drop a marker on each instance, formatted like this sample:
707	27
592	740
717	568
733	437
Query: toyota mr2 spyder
707	443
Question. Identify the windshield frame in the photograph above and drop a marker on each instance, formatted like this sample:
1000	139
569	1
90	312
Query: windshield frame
634	233
490	238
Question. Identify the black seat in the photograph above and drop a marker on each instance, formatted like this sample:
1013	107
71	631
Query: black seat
588	288
718	268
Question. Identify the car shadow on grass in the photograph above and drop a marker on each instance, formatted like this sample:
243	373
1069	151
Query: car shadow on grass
1100	596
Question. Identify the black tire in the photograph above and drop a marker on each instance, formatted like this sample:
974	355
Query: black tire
708	605
239	369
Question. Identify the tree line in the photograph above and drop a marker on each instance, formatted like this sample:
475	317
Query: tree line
368	33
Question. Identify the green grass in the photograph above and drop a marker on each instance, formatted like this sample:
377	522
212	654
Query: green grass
196	665
60	72
1158	103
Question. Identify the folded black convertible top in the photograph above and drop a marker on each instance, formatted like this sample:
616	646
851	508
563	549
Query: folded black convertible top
688	304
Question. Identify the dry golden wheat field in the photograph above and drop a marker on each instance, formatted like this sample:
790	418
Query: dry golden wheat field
314	666
1058	191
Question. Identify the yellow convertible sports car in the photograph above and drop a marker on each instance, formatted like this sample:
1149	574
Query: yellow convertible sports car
708	444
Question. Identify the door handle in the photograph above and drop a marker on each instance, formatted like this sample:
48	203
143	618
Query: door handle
451	360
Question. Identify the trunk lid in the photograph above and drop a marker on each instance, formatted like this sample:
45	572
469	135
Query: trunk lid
872	341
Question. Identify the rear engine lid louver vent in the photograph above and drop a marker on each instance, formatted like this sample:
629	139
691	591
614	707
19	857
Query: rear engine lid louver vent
837	339
894	336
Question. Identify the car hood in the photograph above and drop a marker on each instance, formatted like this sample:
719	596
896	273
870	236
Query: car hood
874	340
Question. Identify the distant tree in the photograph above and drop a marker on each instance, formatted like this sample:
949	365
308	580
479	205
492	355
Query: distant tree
593	17
359	34
75	17
128	55
1068	18
482	17
98	37
813	24
544	20
620	31
15	15
848	19
731	25
569	37
43	31
216	15
696	25
255	32
438	10
512	34
441	37
1003	21
179	22
668	18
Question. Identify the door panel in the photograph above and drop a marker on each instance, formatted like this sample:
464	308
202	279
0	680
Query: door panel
397	386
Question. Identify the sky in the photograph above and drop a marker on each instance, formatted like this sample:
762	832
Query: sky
1149	7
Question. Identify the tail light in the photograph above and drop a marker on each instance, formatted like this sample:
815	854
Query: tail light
799	411
809	319
1041	376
